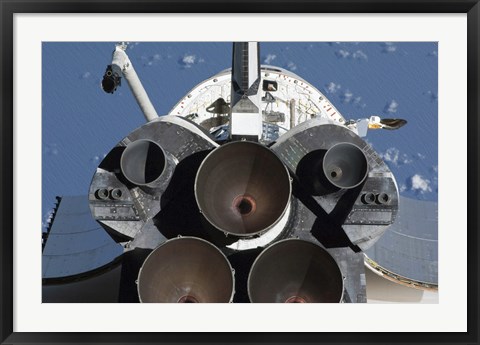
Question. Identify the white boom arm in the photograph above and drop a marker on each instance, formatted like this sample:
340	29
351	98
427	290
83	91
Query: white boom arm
121	61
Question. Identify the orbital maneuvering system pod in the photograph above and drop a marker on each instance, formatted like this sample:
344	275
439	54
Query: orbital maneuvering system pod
266	180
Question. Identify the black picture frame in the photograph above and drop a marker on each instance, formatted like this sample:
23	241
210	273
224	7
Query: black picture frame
9	7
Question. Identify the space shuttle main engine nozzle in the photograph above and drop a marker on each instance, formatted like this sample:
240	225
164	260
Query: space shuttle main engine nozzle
295	271
143	162
345	165
186	270
242	189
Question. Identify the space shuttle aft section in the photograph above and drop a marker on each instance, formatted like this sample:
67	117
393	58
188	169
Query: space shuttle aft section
265	195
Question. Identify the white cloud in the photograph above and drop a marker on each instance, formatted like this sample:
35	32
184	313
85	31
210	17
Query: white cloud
360	55
97	158
151	60
332	87
47	218
132	45
346	54
342	53
389	47
291	66
347	96
393	155
358	102
86	75
189	59
418	184
368	142
270	57
391	107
